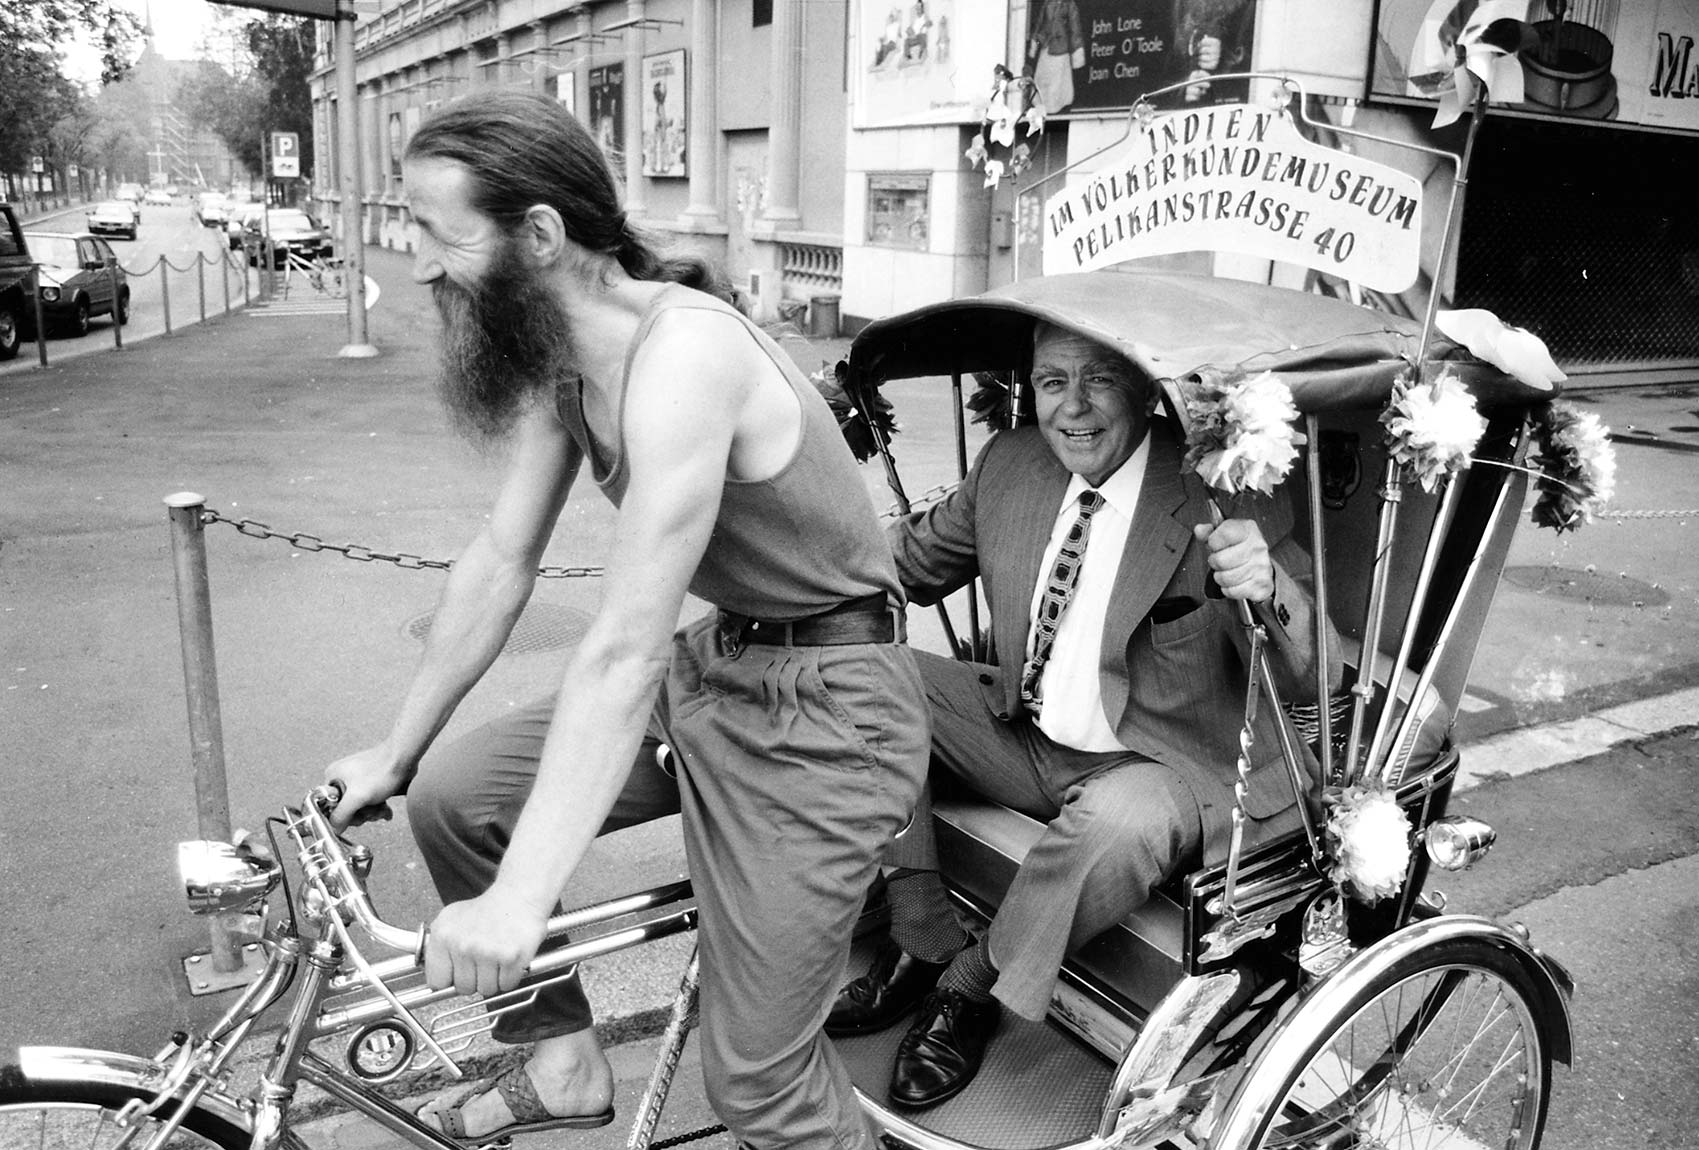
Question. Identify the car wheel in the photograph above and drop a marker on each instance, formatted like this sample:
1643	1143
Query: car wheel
11	330
79	318
122	315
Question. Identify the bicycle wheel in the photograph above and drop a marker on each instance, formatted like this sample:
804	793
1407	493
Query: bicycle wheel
62	1115
1439	1050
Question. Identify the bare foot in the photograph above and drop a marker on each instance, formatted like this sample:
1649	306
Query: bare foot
571	1078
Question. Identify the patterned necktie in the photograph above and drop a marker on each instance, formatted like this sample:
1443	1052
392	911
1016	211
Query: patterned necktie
1058	589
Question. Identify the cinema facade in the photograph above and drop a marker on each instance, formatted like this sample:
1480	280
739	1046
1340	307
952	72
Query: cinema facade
820	150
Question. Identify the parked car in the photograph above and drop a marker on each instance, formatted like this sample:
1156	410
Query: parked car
212	209
157	196
80	277
238	217
131	194
15	264
292	231
114	218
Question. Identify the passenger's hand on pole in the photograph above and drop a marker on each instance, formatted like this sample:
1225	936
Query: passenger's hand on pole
368	779
483	945
1238	555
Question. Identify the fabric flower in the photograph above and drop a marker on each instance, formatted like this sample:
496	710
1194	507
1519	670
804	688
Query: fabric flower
1034	119
1241	435
1513	350
1577	467
1370	836
976	152
1433	429
1485	54
993	173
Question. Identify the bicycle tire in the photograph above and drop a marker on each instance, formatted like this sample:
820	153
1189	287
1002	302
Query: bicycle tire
1359	1080
48	1115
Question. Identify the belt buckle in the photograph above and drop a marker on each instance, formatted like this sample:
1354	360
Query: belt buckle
731	634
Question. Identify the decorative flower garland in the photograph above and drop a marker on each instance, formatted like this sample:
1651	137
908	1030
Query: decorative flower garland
1013	101
1370	836
1577	466
1432	428
1241	436
856	425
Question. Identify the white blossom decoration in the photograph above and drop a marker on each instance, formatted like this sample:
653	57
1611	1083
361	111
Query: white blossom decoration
1370	836
1577	466
1242	435
1433	428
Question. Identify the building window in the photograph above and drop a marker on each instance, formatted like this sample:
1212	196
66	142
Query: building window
898	206
763	10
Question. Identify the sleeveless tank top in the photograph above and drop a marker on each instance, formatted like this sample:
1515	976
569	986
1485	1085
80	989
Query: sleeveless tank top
793	545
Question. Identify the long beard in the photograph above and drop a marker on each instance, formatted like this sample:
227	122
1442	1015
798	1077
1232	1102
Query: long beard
506	344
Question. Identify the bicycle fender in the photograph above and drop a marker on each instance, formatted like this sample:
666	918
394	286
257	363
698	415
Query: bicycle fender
1294	1035
76	1064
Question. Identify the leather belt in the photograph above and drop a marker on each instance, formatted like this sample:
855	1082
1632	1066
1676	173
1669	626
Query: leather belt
870	619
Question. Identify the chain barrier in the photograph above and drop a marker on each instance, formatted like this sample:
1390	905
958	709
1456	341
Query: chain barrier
359	553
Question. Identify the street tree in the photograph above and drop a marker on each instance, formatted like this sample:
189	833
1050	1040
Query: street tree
266	92
34	91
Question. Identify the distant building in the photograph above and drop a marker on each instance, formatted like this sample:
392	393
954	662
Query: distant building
178	152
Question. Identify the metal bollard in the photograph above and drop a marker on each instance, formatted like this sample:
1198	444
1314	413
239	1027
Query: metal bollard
200	682
165	291
224	279
200	276
117	328
40	320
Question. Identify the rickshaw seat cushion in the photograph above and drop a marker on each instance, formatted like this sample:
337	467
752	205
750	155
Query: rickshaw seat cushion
981	846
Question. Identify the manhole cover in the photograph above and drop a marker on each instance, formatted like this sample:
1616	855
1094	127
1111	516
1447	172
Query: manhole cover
541	627
1586	586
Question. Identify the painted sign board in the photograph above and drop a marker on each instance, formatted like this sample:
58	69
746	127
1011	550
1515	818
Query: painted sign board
285	155
1239	178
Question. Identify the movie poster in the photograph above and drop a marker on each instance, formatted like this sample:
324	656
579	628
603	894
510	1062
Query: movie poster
607	111
664	124
1095	54
926	61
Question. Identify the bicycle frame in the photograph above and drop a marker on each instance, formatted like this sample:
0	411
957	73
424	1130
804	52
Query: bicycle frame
333	988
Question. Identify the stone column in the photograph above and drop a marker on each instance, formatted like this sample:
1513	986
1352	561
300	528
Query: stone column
704	157
504	58
541	57
634	40
784	135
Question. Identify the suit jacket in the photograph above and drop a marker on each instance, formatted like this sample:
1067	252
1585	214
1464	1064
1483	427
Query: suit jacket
1173	690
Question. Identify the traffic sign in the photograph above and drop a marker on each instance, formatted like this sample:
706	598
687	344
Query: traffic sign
285	154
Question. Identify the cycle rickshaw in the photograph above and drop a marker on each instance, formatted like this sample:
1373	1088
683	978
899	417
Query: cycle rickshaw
1279	997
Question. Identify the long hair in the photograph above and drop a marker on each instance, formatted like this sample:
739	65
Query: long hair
524	149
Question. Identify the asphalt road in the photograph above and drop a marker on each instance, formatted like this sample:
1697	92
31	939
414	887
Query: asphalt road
179	273
255	411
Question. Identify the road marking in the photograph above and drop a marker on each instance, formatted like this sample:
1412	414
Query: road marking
1530	749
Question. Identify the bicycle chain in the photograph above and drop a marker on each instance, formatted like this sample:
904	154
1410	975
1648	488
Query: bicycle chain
681	1139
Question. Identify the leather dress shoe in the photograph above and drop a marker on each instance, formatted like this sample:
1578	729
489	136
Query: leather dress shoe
942	1051
892	987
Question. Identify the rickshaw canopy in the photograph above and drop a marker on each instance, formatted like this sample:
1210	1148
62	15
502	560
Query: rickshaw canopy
1333	354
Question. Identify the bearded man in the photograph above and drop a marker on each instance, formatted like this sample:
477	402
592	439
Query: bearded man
794	710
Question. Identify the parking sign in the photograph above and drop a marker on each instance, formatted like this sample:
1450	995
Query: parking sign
285	154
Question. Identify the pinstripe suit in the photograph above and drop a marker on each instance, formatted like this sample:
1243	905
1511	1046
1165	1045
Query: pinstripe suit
1173	692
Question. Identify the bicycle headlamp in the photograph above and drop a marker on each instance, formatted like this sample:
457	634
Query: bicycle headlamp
1457	841
219	877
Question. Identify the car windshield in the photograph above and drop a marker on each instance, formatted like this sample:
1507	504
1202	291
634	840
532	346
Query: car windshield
60	251
290	218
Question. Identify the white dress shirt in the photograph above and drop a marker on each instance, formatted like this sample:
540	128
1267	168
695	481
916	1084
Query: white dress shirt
1072	714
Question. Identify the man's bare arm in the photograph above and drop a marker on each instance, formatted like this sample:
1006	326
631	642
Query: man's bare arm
487	588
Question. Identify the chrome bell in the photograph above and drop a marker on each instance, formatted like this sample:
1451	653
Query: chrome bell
219	877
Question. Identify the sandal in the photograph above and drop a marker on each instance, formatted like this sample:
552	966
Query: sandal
519	1093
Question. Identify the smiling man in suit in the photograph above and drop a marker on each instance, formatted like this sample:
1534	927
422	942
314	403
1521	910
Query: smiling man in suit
1113	712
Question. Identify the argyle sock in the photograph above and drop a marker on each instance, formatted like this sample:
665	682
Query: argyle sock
972	974
922	922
